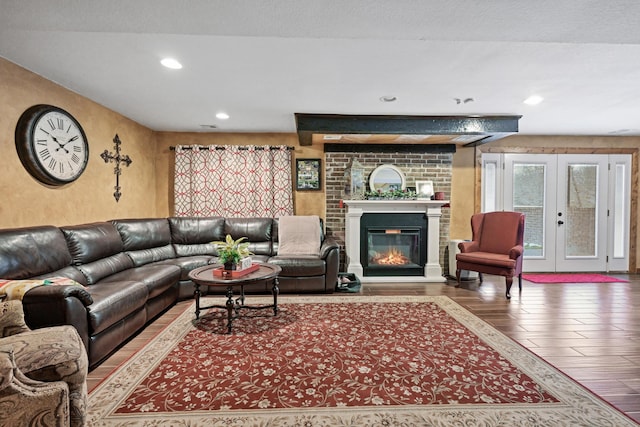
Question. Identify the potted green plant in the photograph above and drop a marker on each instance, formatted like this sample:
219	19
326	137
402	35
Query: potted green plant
231	252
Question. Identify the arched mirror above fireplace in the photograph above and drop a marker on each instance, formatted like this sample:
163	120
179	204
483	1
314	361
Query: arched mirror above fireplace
387	178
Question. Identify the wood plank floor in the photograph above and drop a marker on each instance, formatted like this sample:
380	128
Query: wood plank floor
589	331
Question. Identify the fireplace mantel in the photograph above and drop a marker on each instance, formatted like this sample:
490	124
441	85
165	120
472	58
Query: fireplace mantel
433	211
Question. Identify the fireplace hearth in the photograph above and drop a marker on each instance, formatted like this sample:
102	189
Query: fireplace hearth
384	249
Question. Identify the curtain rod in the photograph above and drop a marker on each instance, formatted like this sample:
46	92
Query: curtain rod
242	147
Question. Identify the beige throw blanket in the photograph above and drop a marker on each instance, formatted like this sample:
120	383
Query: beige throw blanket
299	235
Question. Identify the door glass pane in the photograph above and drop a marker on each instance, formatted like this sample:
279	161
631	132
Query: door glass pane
528	198
619	213
581	216
490	184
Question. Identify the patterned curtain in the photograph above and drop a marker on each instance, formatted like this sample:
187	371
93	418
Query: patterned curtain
233	181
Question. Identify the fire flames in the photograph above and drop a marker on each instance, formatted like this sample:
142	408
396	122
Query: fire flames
392	257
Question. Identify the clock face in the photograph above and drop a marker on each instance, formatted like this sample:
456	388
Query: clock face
51	144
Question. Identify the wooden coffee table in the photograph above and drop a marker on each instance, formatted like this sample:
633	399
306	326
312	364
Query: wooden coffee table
204	276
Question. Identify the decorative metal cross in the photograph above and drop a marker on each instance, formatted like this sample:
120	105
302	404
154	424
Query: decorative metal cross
117	159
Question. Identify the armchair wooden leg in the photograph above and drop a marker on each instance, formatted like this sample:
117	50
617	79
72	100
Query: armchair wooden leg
458	277
520	282
480	277
509	281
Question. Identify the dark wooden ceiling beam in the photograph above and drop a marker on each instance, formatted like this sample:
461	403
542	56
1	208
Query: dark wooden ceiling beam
389	148
495	127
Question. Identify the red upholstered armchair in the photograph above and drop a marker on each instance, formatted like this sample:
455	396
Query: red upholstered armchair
496	248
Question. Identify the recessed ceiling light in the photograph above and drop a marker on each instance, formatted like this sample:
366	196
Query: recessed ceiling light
222	115
533	100
388	98
171	63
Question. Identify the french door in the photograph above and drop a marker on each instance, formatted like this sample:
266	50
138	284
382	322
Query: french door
576	206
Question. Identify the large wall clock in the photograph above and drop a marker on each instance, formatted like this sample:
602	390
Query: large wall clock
51	144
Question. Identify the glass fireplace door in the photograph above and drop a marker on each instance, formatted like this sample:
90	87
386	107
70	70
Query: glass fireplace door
393	244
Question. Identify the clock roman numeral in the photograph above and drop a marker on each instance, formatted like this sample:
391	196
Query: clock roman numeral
51	123
61	167
45	154
44	131
75	158
77	148
52	163
60	123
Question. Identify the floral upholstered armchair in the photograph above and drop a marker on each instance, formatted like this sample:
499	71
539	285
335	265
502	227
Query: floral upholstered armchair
42	372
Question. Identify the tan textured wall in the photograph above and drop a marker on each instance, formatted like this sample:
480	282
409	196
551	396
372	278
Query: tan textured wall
27	202
304	202
462	193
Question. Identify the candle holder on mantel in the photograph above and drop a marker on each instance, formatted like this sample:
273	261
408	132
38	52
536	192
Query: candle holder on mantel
354	186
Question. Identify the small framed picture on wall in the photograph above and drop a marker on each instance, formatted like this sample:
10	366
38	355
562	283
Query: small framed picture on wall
308	174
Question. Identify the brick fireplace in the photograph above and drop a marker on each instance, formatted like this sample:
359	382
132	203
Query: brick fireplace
415	164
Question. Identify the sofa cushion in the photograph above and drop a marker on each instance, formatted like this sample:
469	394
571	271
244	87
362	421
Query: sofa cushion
143	233
113	301
145	240
487	258
302	265
188	263
205	249
90	242
258	231
193	236
156	277
32	251
146	256
105	267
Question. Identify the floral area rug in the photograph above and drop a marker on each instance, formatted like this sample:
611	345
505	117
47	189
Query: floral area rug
342	361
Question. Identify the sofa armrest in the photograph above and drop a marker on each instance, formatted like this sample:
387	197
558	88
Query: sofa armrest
330	252
328	245
48	402
7	365
11	318
58	305
48	293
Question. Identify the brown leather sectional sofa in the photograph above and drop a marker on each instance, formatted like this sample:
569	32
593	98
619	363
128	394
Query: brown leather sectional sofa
133	269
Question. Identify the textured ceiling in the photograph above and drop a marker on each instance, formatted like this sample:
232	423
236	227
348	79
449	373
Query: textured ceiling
263	61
